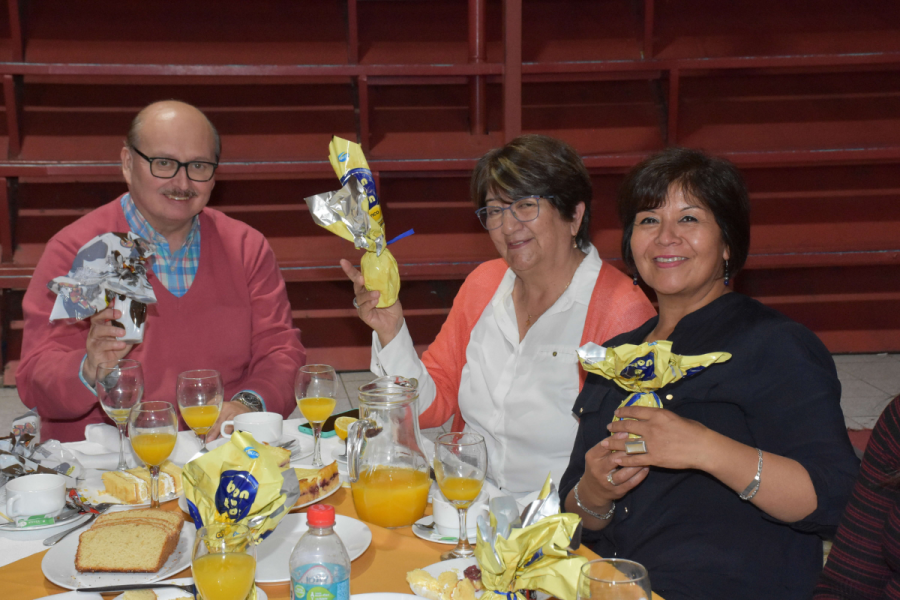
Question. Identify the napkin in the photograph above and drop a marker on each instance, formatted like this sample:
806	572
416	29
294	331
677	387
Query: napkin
102	450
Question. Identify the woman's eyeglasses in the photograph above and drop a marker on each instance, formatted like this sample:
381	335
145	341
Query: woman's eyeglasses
524	210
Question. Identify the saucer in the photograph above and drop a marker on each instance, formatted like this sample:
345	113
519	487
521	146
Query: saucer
339	455
420	528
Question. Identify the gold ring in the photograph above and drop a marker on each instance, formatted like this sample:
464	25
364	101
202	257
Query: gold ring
635	447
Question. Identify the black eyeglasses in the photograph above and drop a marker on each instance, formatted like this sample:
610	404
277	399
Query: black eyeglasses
524	210
167	168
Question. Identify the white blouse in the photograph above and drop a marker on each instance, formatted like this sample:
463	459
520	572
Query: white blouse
518	395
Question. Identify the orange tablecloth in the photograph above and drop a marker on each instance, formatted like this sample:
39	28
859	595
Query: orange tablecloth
382	568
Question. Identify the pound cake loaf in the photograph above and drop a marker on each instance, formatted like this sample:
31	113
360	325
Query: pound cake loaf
133	486
128	546
171	521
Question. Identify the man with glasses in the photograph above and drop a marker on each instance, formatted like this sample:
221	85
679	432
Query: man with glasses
221	300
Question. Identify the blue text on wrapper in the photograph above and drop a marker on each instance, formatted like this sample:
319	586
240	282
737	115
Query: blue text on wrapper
236	493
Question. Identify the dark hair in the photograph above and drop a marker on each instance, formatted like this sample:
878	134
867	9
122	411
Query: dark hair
131	140
715	182
537	165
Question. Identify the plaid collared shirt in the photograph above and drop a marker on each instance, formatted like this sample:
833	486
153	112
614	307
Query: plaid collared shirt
175	271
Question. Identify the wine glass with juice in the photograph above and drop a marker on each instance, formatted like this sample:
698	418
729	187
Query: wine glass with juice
613	579
119	385
460	465
152	427
315	388
224	561
200	394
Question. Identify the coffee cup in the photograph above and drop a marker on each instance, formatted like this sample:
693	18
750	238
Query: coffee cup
265	427
446	516
38	494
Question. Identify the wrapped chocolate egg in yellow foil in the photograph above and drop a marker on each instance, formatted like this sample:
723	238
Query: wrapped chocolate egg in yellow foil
354	213
644	369
381	274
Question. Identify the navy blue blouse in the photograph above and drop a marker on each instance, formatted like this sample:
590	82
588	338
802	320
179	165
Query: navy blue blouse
780	393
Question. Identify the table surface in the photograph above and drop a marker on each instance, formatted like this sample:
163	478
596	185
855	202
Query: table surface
381	568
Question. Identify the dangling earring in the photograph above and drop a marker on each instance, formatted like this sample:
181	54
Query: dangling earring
727	276
574	242
635	279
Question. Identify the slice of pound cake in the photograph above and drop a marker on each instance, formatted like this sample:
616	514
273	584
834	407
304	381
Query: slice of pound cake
133	486
128	546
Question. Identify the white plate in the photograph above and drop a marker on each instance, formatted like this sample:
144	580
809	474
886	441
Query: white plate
381	596
182	501
456	564
273	553
432	535
92	489
70	523
171	593
339	455
58	564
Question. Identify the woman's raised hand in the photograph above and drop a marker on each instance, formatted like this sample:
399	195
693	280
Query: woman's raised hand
386	322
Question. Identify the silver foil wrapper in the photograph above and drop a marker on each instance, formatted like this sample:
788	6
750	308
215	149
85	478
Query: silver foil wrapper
592	353
110	270
347	205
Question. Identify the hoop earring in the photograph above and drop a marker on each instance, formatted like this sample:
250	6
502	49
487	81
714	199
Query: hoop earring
727	276
635	279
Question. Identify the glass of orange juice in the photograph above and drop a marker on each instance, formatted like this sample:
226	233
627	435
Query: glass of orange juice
199	394
224	561
152	427
460	464
315	388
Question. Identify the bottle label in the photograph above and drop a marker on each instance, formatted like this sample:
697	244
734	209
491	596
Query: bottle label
318	582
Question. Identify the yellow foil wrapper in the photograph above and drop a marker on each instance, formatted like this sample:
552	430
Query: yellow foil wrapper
347	159
382	274
238	482
533	558
354	213
644	369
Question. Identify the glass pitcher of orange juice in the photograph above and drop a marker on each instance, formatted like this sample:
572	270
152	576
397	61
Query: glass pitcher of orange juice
389	474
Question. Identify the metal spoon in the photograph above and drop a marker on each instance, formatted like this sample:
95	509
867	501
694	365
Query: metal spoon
54	539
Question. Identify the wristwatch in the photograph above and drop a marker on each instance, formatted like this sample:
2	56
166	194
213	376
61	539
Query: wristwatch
250	400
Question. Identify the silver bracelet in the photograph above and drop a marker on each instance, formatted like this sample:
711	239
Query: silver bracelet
605	517
751	489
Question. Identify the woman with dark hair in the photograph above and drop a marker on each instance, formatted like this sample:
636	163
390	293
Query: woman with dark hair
504	364
748	464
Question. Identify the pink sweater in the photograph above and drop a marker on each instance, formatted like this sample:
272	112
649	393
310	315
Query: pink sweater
236	319
617	306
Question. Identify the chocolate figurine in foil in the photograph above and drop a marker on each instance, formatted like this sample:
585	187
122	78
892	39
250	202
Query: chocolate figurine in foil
354	213
110	270
642	370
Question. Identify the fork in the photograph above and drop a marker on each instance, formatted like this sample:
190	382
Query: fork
99	508
190	588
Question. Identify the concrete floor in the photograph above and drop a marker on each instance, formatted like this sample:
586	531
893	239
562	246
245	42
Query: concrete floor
869	382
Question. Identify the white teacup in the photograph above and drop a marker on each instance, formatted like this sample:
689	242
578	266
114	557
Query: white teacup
38	494
265	427
446	516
